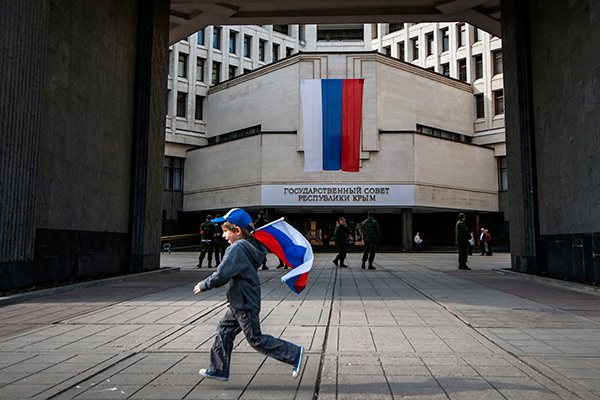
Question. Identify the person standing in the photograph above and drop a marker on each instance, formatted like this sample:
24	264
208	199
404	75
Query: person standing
471	243
371	236
482	242
488	243
218	242
462	237
261	221
418	242
207	230
340	236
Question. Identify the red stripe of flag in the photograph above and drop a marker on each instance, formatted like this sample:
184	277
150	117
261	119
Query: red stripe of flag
352	95
272	244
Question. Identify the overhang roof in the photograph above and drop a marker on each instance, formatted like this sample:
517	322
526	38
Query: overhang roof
189	16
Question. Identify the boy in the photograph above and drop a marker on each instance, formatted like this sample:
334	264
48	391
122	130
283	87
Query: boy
238	270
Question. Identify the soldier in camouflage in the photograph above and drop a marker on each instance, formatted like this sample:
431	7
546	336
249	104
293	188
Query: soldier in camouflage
340	235
207	230
371	235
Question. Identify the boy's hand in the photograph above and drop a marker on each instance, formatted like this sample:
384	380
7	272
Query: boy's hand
197	288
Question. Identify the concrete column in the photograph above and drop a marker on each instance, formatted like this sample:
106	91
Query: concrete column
148	134
21	87
520	143
406	228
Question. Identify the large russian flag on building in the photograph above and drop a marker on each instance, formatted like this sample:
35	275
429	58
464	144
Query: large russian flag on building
291	247
331	120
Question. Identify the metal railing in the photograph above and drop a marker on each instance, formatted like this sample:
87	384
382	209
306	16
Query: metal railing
180	241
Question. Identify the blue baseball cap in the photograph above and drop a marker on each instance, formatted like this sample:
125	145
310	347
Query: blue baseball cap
238	217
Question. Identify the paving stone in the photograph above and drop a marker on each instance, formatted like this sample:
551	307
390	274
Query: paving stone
414	328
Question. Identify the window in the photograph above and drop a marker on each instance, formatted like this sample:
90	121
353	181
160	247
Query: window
216	38
339	35
502	174
199	114
478	66
262	45
462	70
235	135
233	42
247	71
445	40
170	62
182	65
281	28
446	69
200	69
479	111
431	131
476	35
173	173
181	104
497	65
247	46
498	102
201	37
401	51
414	44
429	40
232	71
289	51
216	72
387	50
396	27
275	52
462	35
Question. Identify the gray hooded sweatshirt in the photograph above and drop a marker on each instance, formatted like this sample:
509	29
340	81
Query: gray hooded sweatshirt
238	271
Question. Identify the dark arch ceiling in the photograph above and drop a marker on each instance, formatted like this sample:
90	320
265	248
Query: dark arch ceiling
188	16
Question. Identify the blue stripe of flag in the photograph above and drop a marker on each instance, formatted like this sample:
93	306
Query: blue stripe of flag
294	254
331	92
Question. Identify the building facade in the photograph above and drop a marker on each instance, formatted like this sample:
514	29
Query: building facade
222	72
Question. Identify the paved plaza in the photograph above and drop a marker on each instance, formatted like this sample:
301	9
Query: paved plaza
415	328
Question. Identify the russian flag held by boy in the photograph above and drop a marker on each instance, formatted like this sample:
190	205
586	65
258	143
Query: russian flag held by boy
331	120
291	247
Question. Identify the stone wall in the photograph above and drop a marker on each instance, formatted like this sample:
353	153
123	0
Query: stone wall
85	139
21	88
565	37
552	96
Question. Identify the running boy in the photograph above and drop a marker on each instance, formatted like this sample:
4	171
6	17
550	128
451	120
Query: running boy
238	270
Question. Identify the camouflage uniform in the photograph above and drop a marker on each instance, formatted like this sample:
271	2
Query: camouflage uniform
340	235
462	236
261	221
218	243
371	235
207	229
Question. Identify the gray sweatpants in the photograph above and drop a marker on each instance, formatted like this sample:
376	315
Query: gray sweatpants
235	321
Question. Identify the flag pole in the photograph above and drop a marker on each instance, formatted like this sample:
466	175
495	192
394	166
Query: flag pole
269	224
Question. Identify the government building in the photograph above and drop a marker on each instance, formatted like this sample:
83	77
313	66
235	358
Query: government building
432	140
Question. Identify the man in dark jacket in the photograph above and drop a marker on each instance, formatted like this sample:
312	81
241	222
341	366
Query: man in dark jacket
462	236
207	230
340	235
218	242
371	235
261	221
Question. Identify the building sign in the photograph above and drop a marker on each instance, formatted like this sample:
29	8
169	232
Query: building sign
337	195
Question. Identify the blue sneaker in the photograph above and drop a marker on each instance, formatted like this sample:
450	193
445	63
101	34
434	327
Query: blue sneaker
298	363
213	375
